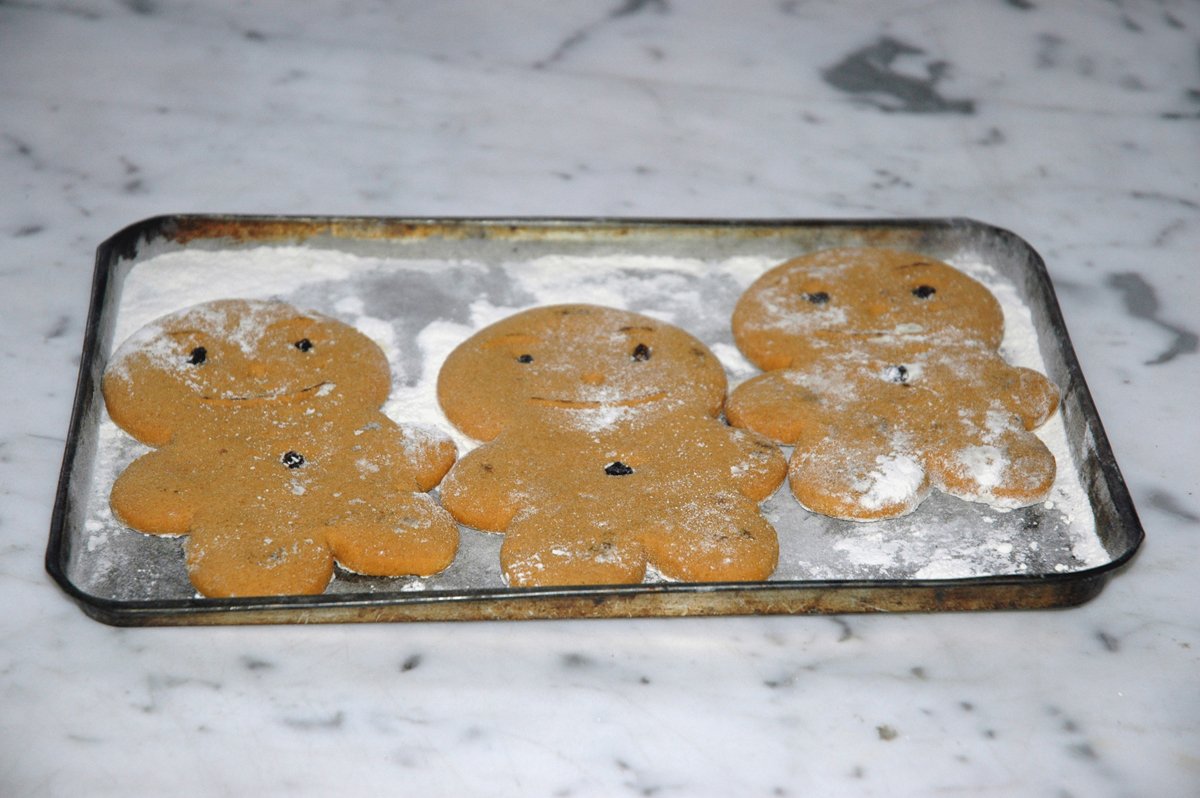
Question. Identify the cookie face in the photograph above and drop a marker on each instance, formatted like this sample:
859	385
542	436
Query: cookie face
579	364
878	416
606	457
257	359
832	299
273	456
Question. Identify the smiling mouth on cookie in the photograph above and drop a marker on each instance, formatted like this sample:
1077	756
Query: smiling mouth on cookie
319	389
590	404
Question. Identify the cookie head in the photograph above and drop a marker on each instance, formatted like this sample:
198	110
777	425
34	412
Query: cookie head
576	364
831	299
242	356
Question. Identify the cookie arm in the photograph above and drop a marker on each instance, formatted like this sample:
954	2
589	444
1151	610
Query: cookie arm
482	490
1030	395
154	494
760	467
415	457
430	452
773	405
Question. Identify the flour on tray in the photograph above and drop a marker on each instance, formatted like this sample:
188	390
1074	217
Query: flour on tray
419	309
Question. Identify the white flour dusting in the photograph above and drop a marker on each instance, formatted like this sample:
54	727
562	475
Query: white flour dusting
894	479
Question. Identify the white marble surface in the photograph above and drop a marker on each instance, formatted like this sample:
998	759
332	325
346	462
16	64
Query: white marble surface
1076	124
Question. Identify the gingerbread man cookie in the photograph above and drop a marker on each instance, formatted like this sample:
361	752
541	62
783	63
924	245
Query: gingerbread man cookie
272	454
605	454
884	374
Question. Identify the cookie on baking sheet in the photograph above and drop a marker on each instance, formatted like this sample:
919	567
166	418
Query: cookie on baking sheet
883	373
272	454
604	456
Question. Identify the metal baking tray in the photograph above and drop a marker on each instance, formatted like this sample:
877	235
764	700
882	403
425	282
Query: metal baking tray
401	278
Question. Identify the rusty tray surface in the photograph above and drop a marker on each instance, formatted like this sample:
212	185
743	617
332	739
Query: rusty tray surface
410	275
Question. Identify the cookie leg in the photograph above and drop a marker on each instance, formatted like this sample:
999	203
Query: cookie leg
722	538
243	561
550	548
859	478
1014	469
412	535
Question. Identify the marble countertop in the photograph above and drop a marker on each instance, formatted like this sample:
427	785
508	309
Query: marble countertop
1075	124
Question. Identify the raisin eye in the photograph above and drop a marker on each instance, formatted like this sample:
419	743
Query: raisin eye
524	358
817	297
897	374
924	291
617	469
198	356
292	459
641	352
303	344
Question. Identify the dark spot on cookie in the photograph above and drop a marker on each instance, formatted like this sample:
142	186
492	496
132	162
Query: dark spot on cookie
641	353
617	469
816	297
897	374
198	356
488	468
303	345
292	459
524	358
924	291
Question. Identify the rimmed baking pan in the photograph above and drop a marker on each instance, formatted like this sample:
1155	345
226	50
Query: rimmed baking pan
418	286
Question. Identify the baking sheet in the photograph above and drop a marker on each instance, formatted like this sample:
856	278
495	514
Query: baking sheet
420	287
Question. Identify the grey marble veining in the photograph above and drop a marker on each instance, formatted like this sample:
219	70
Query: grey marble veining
1076	124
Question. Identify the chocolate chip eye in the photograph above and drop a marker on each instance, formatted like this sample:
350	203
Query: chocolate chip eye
897	374
924	291
292	459
198	356
303	344
816	297
524	358
641	352
617	469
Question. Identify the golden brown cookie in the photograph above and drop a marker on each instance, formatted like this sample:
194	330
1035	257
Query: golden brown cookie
605	453
272	454
887	381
